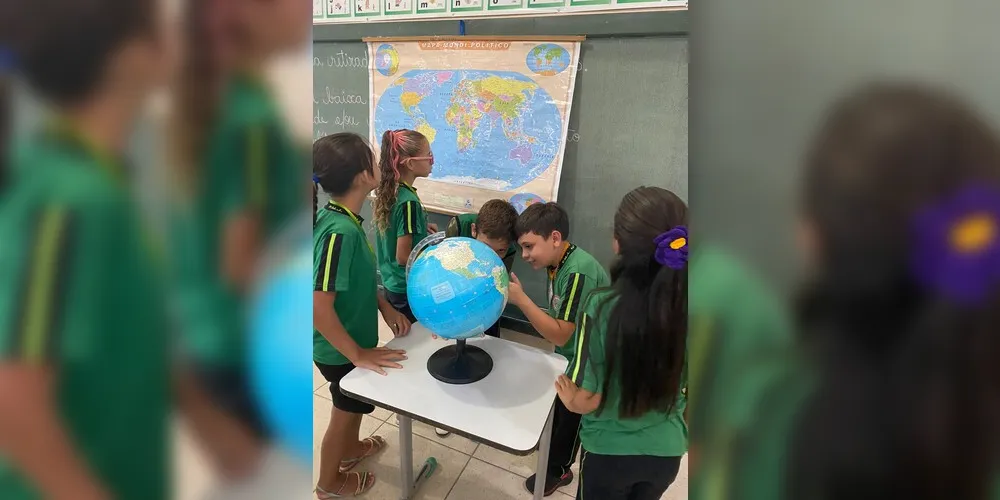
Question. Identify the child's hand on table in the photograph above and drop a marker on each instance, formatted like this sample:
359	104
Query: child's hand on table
567	391
397	321
379	358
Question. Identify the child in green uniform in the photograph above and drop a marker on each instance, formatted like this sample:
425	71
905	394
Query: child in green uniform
494	226
543	232
400	219
83	342
241	181
891	389
628	376
345	305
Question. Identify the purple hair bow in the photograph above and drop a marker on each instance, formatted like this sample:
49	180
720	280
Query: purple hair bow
672	248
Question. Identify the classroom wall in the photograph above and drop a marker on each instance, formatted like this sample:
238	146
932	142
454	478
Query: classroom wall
628	124
767	70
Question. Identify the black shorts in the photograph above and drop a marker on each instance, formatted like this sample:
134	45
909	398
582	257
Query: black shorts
625	477
341	401
229	387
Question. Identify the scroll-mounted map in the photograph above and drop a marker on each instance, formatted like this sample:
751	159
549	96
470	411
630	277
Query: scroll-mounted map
495	111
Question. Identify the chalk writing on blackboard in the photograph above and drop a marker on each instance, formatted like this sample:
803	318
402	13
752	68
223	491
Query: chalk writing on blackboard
342	60
572	136
333	96
341	121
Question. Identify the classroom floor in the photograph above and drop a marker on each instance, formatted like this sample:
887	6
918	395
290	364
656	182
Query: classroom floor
466	470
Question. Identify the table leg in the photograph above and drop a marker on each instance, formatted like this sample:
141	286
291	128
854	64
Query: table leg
542	468
405	455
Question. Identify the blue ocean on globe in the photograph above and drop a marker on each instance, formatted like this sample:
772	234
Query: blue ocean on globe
548	59
492	129
281	342
457	288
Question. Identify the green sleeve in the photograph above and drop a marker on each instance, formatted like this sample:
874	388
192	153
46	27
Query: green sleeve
575	288
249	152
51	314
454	228
332	262
406	219
587	368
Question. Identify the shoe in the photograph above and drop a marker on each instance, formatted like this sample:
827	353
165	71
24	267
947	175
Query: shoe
441	432
552	483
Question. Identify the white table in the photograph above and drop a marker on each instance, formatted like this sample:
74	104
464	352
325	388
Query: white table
510	409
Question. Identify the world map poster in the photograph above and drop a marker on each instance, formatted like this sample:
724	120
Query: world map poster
496	113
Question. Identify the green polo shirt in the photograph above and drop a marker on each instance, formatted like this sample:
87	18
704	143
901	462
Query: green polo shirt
577	274
655	433
407	218
344	263
461	225
250	164
80	292
744	390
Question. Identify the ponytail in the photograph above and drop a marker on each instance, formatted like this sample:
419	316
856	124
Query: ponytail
199	89
646	343
397	145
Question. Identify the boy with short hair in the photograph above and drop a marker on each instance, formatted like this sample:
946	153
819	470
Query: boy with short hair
494	226
542	232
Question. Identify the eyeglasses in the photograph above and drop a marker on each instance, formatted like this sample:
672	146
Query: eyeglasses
429	157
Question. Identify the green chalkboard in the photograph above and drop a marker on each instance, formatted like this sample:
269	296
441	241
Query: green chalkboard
628	124
340	88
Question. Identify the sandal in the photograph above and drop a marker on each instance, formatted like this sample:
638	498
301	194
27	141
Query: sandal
375	445
363	486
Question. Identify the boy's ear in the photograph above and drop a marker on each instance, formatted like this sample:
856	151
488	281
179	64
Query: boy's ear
556	237
474	230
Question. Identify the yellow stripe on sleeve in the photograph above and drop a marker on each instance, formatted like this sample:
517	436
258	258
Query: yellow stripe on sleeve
329	263
572	295
409	218
257	166
42	285
579	348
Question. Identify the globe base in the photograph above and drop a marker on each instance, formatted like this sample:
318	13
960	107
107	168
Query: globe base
460	364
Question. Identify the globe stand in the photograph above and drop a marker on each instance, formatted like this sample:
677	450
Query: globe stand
460	364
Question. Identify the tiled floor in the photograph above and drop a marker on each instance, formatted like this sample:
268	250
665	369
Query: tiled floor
466	470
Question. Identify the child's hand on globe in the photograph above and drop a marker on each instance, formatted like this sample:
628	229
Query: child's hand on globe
515	294
432	228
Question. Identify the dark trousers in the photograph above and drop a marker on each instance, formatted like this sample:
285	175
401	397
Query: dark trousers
607	477
398	302
565	440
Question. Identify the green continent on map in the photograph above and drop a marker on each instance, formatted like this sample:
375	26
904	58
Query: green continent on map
491	96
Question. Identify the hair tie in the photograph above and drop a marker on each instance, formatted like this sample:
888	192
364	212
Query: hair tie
315	178
672	248
956	245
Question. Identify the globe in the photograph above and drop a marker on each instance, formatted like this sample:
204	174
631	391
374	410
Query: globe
457	288
281	340
548	59
386	60
521	201
495	130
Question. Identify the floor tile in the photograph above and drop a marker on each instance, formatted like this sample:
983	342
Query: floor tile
522	466
482	481
386	468
321	419
452	441
318	380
